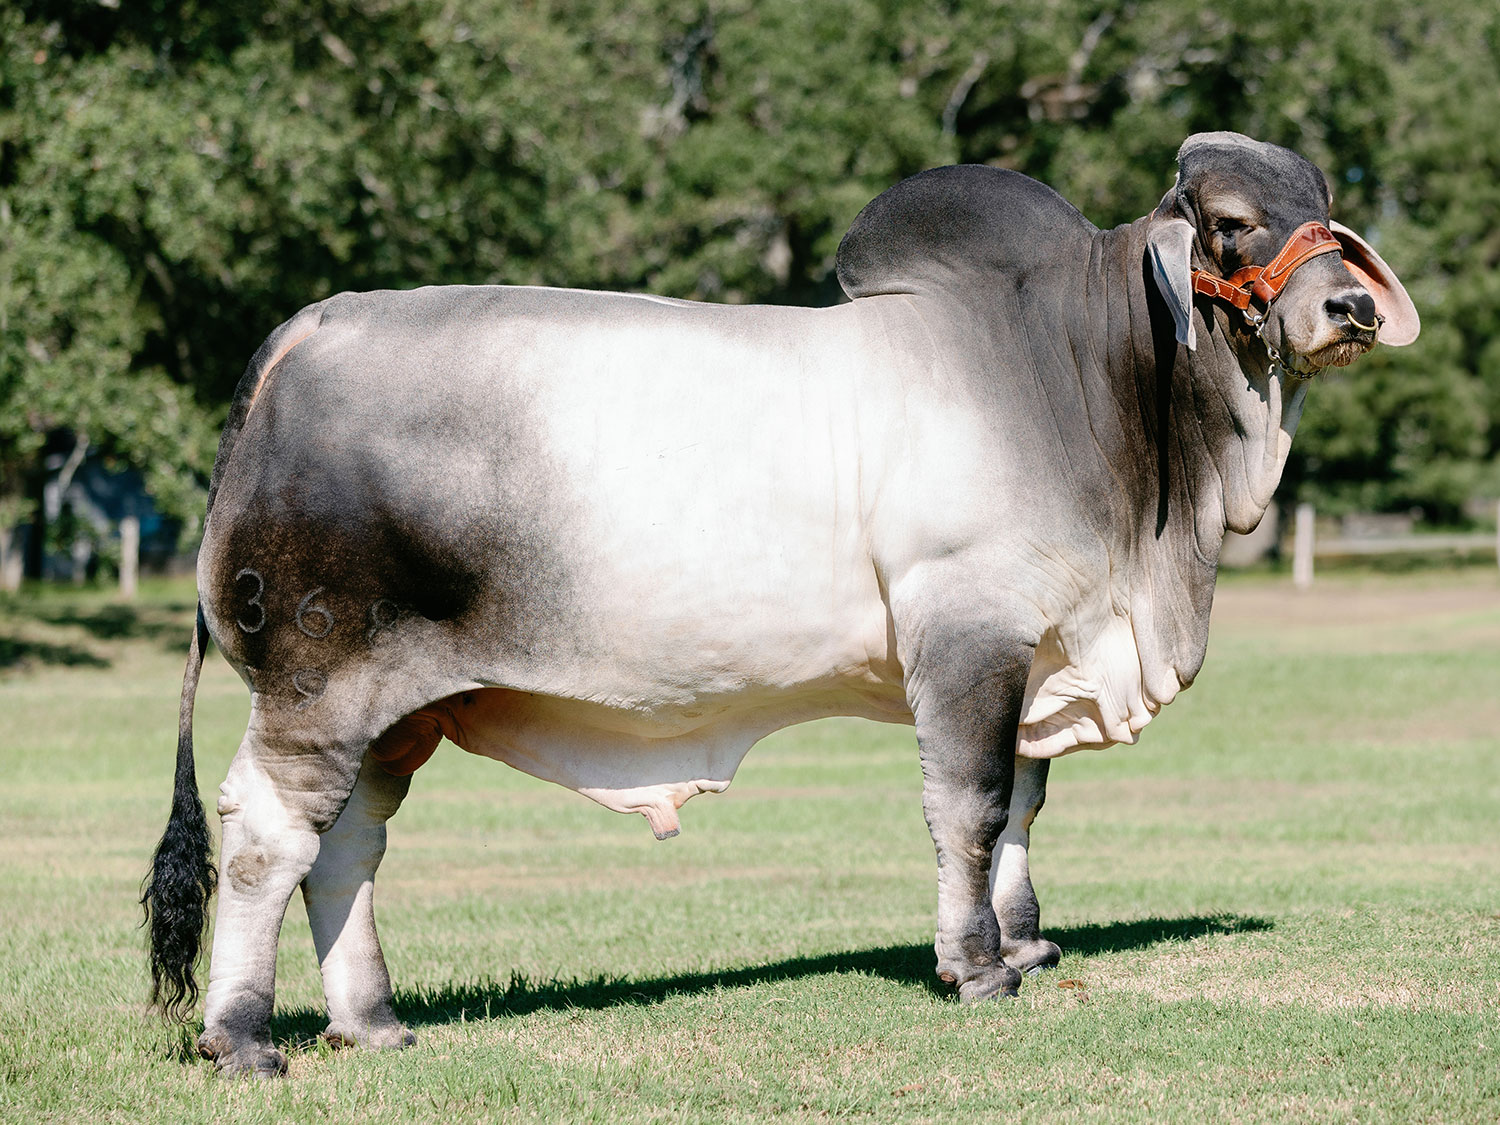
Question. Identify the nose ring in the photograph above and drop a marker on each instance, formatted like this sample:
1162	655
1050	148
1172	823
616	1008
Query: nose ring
1365	327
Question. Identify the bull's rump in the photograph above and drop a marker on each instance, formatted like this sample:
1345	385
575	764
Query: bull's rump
646	505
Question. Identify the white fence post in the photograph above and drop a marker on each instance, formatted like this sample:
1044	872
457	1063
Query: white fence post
11	563
1302	548
130	555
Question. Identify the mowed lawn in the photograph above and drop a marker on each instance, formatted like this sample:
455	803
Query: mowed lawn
1283	905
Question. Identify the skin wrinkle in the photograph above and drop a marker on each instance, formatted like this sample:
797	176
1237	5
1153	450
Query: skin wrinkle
1079	390
1063	444
1199	500
1063	567
1210	454
1252	474
1103	297
1088	417
1152	397
1092	371
1179	438
1239	448
1142	358
1178	435
1215	451
1096	364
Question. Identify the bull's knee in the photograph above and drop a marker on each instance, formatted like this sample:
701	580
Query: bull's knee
270	843
263	838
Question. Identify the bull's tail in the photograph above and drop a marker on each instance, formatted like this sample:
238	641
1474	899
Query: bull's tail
176	891
182	879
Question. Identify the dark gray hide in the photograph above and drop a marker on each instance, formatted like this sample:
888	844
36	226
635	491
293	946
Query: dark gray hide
614	540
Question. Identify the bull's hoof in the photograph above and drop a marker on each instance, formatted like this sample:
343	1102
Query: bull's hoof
248	1060
1033	957
997	981
379	1037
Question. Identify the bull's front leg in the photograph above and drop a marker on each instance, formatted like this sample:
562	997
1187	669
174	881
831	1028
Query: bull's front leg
1010	877
966	689
272	819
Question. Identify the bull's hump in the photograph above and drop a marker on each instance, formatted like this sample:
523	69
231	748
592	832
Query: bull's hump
955	229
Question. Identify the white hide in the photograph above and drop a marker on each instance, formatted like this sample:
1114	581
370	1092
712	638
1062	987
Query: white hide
746	487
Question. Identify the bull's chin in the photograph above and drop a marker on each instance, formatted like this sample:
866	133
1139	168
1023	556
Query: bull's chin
1340	354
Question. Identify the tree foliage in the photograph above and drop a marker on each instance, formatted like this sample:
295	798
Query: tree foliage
178	177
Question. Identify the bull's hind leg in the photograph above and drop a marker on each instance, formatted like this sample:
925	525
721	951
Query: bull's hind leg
273	805
1011	892
339	892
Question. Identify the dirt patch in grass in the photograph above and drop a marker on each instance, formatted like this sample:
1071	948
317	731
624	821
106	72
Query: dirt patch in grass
1320	976
1348	602
1475	720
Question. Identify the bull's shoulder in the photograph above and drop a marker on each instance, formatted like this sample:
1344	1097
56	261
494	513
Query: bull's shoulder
952	228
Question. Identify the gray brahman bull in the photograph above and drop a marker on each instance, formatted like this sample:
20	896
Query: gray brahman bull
613	540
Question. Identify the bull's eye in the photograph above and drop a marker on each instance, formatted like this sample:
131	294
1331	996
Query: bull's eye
1227	233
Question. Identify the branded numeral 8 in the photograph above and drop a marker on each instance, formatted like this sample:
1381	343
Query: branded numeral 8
383	614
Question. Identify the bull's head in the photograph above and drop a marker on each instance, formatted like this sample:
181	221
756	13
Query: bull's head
1240	206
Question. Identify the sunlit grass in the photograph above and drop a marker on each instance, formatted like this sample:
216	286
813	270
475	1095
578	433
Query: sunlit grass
1283	905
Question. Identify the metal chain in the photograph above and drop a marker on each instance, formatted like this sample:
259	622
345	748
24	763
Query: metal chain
1260	332
1258	322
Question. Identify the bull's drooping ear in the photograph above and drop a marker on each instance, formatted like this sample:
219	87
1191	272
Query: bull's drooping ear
1369	269
1171	244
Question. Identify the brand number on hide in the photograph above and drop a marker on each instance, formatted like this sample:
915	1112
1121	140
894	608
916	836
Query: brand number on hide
310	684
253	601
383	614
315	621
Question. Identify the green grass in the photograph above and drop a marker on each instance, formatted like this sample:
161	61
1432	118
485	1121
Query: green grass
1283	905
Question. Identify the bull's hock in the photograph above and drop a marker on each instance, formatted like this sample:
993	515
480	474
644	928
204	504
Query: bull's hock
613	540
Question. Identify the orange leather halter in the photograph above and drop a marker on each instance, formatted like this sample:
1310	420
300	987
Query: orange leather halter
1263	284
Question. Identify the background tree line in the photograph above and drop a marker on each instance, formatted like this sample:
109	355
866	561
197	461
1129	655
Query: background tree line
178	176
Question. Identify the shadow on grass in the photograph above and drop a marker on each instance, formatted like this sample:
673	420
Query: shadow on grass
158	623
1115	937
118	622
904	964
16	653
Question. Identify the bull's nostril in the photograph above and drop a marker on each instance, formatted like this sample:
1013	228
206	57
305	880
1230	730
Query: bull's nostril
1355	307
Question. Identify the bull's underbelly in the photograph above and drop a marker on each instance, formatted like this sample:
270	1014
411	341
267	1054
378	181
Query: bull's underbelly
648	761
648	752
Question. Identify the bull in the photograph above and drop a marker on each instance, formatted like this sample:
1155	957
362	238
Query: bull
613	540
